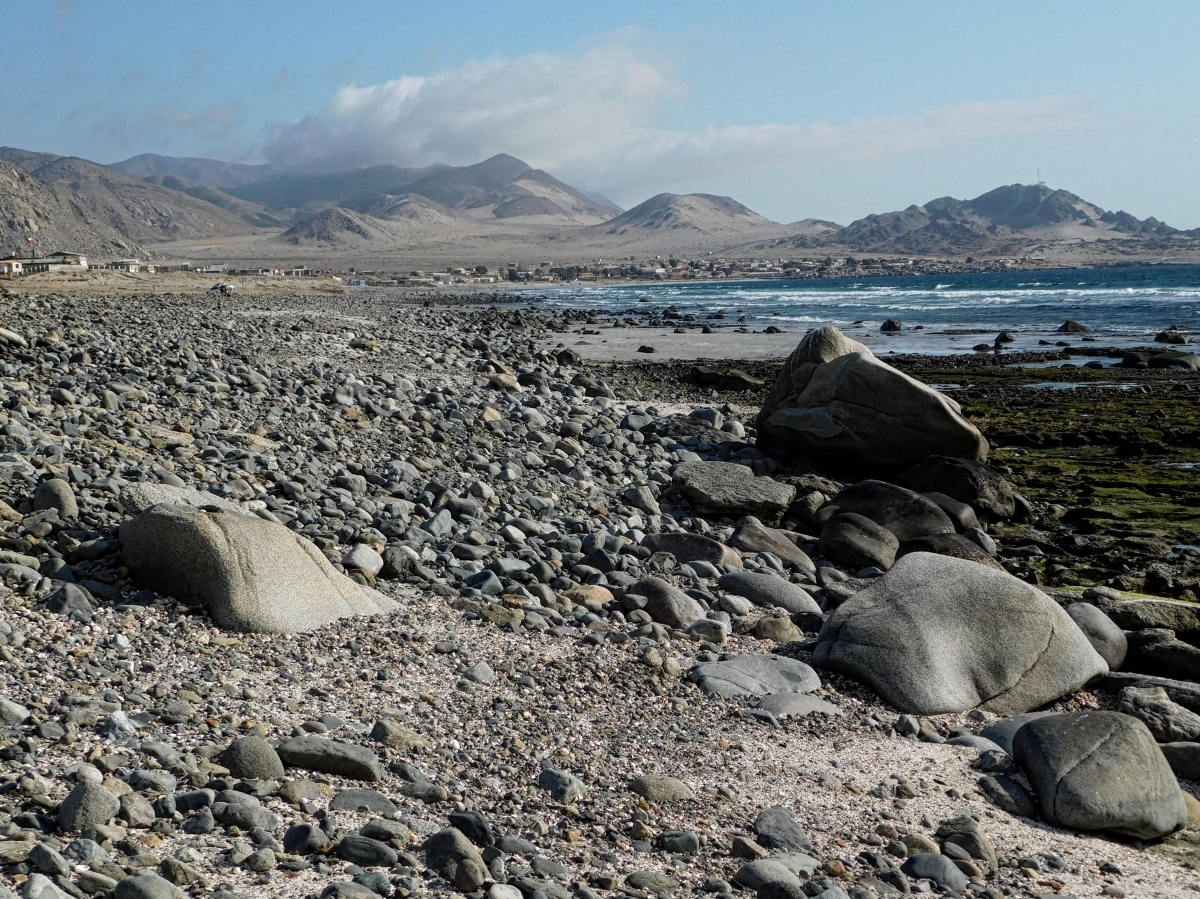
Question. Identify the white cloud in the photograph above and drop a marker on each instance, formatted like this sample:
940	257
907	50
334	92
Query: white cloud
545	108
590	118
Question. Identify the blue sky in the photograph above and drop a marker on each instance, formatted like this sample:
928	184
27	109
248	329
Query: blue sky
798	109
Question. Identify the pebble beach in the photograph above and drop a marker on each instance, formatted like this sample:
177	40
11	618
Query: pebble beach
528	698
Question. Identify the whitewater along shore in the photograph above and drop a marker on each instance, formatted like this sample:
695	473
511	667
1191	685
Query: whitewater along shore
335	595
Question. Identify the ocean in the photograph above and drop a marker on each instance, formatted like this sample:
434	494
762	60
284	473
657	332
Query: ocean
941	314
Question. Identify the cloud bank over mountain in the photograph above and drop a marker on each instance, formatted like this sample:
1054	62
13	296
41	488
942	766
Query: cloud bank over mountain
592	117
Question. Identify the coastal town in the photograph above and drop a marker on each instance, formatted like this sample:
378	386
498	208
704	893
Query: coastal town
597	271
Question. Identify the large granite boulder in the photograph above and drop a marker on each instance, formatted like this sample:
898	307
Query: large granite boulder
1100	770
984	490
726	488
248	573
837	405
938	634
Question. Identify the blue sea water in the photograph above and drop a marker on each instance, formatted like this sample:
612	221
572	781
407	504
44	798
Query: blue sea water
1123	306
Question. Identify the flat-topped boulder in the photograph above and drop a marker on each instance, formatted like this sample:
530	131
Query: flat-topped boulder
248	573
938	634
836	404
726	488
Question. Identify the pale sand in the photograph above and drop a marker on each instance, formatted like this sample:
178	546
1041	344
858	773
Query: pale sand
621	345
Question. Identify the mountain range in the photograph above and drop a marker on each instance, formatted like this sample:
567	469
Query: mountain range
498	208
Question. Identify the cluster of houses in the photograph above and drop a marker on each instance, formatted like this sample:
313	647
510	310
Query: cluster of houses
58	261
14	266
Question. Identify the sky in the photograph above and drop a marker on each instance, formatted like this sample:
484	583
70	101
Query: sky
797	109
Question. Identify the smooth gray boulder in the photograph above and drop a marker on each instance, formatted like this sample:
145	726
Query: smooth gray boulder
331	757
962	515
906	514
688	547
726	488
855	541
836	404
1100	770
1167	720
1104	635
252	757
455	858
248	573
938	634
777	828
55	493
12	713
755	675
769	590
661	788
667	604
757	538
797	705
966	480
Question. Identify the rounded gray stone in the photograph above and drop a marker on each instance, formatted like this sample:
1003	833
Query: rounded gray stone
253	758
87	805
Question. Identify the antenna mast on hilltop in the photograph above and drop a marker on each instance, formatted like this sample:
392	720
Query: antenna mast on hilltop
1040	182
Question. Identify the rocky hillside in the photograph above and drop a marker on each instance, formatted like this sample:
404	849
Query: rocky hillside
74	204
1006	219
206	172
252	213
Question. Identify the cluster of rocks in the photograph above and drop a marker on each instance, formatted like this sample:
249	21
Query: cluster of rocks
544	565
